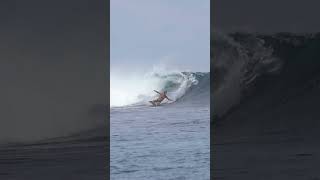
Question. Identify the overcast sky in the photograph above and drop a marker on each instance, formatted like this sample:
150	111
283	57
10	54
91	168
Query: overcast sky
175	33
266	15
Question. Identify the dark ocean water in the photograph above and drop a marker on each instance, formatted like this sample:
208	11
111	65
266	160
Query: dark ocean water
266	99
64	159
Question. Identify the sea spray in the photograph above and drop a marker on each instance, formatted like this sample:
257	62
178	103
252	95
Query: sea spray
138	88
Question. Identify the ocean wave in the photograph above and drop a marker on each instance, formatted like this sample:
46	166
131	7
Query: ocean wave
246	62
139	90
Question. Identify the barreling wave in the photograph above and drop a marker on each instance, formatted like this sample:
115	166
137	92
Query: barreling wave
244	64
139	90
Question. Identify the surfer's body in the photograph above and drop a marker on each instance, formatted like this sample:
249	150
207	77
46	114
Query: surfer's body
162	96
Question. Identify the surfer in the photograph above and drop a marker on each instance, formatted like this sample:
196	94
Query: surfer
162	96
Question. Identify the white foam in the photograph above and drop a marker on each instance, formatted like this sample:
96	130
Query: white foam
128	89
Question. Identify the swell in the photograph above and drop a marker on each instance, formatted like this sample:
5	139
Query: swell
197	93
195	88
180	87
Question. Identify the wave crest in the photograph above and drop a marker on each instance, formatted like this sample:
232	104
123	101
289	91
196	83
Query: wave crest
240	59
138	89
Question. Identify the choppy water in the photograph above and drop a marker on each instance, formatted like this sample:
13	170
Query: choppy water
165	142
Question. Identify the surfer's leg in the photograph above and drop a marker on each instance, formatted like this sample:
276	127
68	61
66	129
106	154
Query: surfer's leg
154	102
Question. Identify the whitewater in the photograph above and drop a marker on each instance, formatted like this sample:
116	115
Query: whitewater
171	141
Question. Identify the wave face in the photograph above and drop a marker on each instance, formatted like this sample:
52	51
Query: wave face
244	64
138	90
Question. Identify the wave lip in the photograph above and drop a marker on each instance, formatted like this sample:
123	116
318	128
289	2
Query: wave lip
244	63
139	90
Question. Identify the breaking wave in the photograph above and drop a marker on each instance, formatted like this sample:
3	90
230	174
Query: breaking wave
243	63
138	90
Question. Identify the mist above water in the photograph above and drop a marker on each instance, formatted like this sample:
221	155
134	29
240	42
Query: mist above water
132	88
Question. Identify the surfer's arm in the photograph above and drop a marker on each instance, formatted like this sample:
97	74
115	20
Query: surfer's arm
156	91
